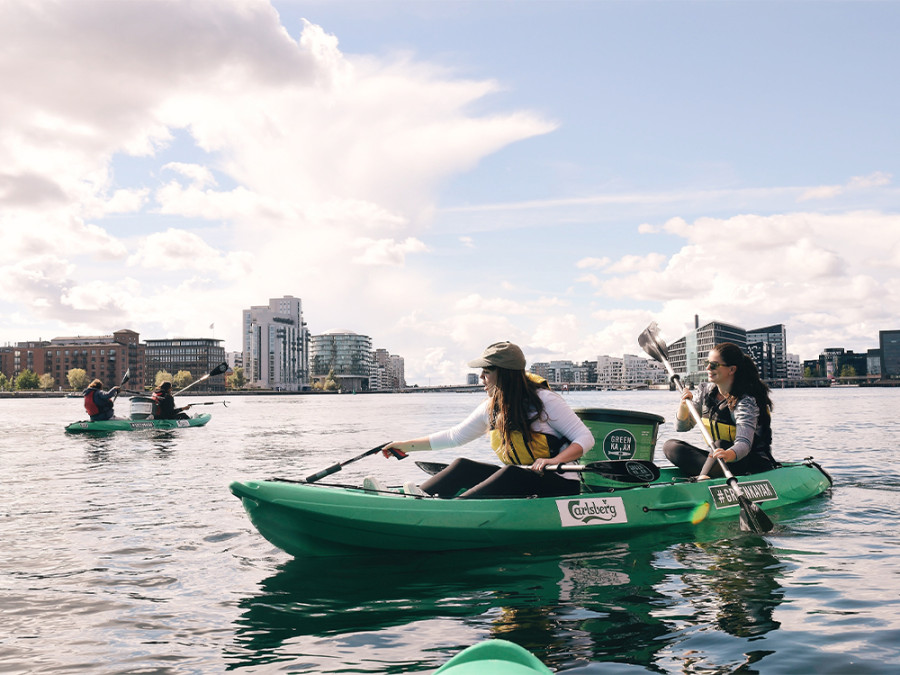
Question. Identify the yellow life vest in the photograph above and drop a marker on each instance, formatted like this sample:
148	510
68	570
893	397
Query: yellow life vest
720	431
542	445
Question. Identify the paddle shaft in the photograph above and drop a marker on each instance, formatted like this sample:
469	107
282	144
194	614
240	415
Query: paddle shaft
218	370
334	468
640	471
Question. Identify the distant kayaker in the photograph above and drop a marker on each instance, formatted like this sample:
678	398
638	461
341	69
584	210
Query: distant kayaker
164	404
98	403
736	409
530	427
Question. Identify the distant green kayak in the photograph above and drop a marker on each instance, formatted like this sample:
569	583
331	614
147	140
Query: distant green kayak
138	425
494	657
307	519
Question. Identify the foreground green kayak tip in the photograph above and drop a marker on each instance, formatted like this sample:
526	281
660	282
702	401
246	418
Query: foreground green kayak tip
494	657
138	425
307	519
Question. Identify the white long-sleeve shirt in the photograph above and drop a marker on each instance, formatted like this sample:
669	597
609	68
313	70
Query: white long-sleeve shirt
560	421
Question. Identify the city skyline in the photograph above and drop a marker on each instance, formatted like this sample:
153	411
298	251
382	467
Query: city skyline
445	175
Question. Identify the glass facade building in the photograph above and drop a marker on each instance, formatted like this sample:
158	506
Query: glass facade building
346	354
198	356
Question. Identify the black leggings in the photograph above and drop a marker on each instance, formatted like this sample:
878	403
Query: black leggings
690	459
489	480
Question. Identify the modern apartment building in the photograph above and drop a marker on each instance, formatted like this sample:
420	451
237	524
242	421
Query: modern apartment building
346	355
770	343
388	372
276	345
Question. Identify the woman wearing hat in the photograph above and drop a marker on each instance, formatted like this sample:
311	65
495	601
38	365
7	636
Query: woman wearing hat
530	427
164	404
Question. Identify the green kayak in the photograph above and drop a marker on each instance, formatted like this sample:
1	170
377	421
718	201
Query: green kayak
494	657
320	520
138	425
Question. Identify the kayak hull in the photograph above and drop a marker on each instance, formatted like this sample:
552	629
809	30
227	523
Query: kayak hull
138	425
307	520
494	657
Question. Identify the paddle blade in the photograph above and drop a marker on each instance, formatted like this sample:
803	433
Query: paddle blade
126	376
625	470
753	518
431	467
219	369
654	345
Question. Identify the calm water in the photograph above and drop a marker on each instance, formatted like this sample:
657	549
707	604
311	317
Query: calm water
127	554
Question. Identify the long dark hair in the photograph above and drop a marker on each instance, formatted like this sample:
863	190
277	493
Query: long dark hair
515	403
746	377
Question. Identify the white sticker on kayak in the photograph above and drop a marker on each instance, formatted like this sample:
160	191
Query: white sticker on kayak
593	511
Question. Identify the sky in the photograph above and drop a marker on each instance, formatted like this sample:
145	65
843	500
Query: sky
442	175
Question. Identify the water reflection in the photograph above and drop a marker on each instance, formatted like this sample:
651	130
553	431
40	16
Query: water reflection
101	446
630	603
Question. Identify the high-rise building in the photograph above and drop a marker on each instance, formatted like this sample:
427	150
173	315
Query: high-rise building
774	363
345	355
276	345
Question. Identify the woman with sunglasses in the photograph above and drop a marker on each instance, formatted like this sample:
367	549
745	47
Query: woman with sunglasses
736	410
530	426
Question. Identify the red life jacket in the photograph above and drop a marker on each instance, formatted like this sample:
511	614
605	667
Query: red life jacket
157	409
89	405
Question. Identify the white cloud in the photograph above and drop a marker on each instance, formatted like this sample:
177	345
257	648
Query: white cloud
592	263
386	251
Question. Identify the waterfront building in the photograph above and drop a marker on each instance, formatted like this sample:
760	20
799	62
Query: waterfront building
889	344
276	345
641	372
763	356
772	350
344	354
836	362
586	373
688	354
541	369
102	357
388	372
792	367
610	371
197	356
873	362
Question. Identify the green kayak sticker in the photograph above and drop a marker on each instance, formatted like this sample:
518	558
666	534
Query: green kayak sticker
593	511
756	491
619	444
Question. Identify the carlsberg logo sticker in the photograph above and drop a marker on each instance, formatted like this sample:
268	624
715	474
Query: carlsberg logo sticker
594	511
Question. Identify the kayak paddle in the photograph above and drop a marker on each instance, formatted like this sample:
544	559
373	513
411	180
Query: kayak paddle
334	468
218	370
752	518
622	470
125	378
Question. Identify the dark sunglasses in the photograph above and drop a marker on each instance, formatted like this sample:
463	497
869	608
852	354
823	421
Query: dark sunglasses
712	365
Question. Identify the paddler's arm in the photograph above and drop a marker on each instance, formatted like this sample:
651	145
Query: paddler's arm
572	453
412	445
683	419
